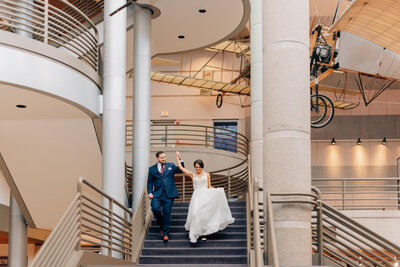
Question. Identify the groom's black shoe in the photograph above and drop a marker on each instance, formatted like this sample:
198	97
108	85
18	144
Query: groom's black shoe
165	238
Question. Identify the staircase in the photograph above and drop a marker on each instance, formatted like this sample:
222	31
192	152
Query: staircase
225	248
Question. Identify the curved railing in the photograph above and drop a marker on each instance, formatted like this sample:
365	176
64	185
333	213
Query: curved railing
57	23
233	179
172	135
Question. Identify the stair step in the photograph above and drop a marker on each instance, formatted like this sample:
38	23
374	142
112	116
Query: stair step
181	222
180	210
195	251
235	215
189	259
230	203
216	236
186	244
181	229
188	265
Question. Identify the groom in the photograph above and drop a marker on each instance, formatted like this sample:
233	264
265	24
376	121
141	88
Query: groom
162	190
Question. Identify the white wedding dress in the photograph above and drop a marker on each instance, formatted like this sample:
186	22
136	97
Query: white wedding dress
208	210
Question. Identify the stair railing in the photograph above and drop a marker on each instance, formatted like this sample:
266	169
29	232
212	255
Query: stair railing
233	179
69	29
335	235
360	193
95	219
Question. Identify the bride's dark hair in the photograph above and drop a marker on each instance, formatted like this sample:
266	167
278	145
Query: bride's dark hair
200	162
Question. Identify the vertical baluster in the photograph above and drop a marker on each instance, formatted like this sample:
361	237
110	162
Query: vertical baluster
343	193
229	183
46	22
320	234
110	226
166	135
206	135
183	187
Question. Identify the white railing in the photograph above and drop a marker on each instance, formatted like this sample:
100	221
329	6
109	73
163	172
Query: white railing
57	23
360	193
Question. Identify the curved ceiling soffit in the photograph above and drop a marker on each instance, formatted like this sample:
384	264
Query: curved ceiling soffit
201	27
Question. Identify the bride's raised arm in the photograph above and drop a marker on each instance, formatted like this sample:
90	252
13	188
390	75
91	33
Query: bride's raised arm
185	171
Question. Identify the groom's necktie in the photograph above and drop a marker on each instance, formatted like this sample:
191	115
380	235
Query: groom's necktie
162	168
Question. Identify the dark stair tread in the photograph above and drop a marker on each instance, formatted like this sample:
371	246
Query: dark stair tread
216	236
200	244
191	265
194	260
226	251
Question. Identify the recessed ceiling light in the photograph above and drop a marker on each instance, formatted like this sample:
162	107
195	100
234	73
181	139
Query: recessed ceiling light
181	36
20	106
202	10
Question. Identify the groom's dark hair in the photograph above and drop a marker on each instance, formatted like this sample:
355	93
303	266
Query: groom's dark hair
159	153
200	162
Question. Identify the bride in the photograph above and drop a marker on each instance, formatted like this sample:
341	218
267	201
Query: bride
208	209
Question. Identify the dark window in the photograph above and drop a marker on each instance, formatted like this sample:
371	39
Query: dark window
225	135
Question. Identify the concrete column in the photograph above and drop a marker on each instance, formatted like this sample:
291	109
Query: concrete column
25	8
141	101
17	236
256	91
114	95
287	159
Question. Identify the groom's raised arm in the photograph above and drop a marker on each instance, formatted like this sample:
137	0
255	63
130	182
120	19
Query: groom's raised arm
177	170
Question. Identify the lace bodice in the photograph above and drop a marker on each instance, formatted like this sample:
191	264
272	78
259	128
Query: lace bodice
200	182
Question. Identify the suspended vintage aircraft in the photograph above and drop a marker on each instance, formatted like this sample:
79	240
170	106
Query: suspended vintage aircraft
364	46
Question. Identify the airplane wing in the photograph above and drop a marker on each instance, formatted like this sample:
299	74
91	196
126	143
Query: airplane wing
375	20
370	37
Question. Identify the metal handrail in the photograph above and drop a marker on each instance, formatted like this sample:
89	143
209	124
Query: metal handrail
67	28
95	218
360	193
337	236
182	134
233	179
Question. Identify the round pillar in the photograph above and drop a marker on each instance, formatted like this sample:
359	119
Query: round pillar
141	101
287	152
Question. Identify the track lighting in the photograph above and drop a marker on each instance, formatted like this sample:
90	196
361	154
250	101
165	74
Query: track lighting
359	141
384	140
333	141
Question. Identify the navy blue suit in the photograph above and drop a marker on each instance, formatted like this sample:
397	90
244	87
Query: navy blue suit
163	188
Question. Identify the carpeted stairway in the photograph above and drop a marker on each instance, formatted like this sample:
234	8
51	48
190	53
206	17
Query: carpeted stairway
225	248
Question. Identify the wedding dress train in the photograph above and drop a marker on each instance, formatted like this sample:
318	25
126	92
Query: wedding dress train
208	210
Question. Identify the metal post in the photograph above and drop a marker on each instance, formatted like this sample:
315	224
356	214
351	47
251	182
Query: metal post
206	135
110	226
24	17
141	101
166	135
18	230
114	92
46	22
343	192
229	183
18	236
320	234
183	187
256	222
265	223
